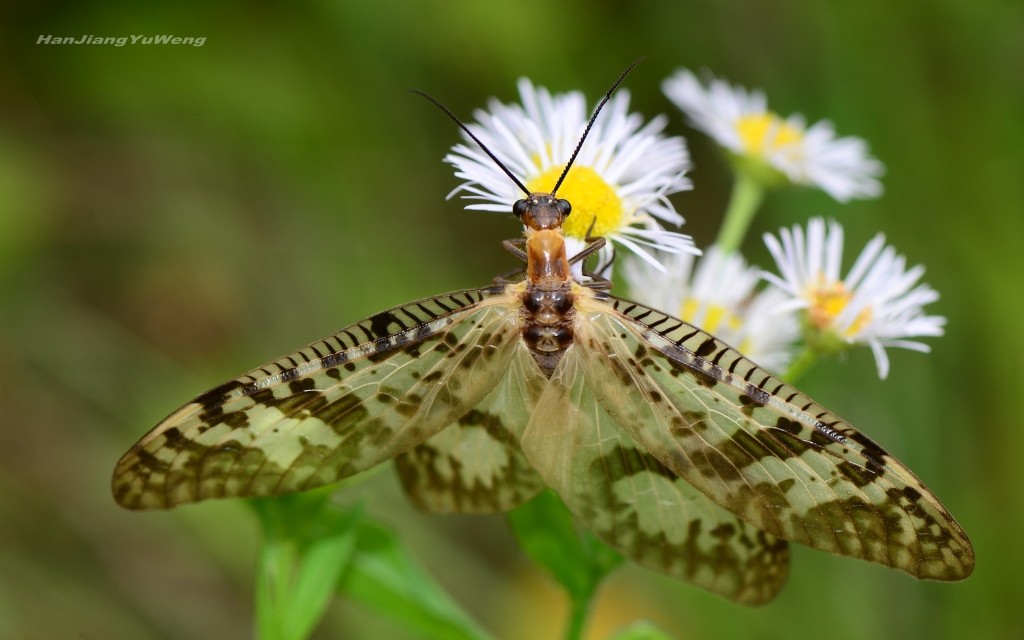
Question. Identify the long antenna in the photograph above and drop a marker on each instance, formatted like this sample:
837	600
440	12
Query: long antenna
476	139
579	145
604	101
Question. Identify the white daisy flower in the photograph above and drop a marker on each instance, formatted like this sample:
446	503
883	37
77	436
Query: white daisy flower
717	293
878	303
618	186
772	147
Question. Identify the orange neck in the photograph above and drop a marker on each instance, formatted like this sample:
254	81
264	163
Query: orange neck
546	260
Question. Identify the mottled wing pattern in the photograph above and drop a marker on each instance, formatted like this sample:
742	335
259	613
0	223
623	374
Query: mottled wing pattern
637	505
759	447
337	407
476	465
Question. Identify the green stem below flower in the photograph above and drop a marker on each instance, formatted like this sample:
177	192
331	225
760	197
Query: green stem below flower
747	195
575	559
307	545
800	365
579	611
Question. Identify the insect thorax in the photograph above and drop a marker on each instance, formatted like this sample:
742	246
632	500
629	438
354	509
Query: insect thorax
547	326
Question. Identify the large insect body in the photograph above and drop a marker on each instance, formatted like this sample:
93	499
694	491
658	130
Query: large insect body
548	299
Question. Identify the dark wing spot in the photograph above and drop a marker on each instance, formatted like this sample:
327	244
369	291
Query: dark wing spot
911	493
788	425
706	348
820	439
433	376
860	476
236	419
346	410
723	531
704	379
380	323
791	442
216	395
301	386
622	462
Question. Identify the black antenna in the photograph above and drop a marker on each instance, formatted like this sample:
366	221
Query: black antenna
607	97
476	139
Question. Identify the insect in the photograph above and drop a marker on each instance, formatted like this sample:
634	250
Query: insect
669	445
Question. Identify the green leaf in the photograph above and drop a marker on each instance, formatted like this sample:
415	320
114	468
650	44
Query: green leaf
548	534
308	542
641	630
383	575
313	548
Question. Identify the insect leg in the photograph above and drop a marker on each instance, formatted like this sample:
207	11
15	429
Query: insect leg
596	244
604	267
515	248
597	281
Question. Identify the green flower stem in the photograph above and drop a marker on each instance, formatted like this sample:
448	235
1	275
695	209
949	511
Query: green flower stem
575	559
800	365
579	612
278	556
747	195
307	545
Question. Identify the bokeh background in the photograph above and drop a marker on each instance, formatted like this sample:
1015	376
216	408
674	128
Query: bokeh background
172	215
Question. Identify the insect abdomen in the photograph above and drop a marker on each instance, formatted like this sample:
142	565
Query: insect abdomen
547	323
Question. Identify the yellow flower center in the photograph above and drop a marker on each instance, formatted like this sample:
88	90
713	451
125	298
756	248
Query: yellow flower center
594	201
762	133
745	346
716	319
827	301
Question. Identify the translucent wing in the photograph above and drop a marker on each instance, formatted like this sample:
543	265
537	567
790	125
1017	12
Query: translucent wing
476	465
332	409
637	505
759	447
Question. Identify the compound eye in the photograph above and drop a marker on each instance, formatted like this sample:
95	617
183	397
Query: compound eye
519	208
563	207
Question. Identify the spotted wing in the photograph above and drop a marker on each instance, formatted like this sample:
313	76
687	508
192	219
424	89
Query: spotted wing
332	409
476	465
760	448
638	506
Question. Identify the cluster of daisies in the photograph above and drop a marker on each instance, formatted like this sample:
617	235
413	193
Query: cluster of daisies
619	187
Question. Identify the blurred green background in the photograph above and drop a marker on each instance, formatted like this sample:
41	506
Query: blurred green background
172	215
